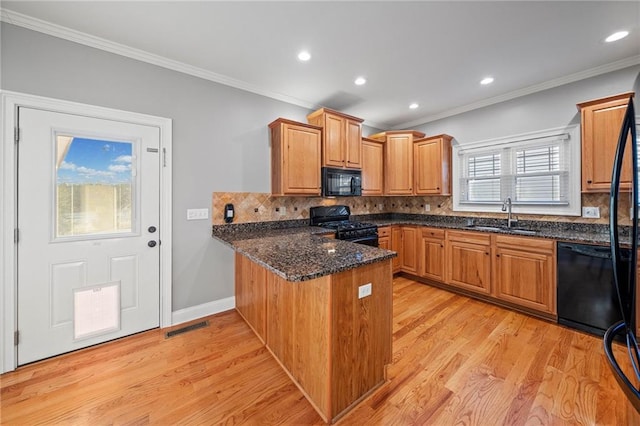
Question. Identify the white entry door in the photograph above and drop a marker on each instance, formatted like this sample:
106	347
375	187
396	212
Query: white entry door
88	217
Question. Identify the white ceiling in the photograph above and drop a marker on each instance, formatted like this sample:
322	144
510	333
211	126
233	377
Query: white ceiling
432	53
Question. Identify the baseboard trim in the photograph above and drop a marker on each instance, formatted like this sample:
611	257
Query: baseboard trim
203	310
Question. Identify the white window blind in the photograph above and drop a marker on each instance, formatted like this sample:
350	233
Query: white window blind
535	171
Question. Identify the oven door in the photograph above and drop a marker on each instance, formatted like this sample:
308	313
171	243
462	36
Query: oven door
369	240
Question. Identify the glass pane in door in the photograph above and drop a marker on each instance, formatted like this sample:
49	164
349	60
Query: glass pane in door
95	187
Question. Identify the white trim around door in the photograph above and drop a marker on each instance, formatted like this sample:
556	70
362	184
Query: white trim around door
10	101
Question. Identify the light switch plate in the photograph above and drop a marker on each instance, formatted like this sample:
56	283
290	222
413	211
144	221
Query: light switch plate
364	290
591	212
197	214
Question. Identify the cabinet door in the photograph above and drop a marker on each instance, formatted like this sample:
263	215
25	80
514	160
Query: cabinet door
396	245
600	131
431	251
525	278
301	154
372	159
409	249
384	243
353	144
333	153
428	167
469	263
399	165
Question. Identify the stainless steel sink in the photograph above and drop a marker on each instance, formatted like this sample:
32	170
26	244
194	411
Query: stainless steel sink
521	231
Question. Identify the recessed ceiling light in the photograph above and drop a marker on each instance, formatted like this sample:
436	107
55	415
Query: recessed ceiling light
616	36
360	81
304	55
486	80
414	105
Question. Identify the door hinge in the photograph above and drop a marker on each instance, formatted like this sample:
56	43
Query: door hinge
16	235
16	338
16	134
164	157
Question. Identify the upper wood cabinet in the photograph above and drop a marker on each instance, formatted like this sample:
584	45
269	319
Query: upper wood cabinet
469	261
524	272
372	167
432	165
601	120
398	160
295	158
341	138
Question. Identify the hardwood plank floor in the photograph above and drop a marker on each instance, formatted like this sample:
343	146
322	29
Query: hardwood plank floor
455	361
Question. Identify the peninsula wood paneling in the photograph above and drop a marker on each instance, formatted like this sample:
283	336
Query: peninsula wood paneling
250	282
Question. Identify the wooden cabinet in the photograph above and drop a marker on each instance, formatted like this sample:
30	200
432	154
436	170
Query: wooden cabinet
396	245
341	138
432	165
372	167
251	294
524	272
333	344
384	237
409	248
398	160
601	120
431	254
295	158
469	261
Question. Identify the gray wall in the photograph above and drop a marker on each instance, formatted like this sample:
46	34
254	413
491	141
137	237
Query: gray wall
539	111
220	138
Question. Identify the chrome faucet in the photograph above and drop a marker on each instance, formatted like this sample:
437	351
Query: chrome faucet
506	207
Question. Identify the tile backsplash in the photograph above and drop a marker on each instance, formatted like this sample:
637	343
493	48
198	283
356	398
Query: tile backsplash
262	207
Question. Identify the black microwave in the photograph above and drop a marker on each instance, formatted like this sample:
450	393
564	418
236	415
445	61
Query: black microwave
341	182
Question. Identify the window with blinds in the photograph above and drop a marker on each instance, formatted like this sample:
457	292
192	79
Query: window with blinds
534	171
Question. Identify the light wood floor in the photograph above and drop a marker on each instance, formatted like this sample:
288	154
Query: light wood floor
456	361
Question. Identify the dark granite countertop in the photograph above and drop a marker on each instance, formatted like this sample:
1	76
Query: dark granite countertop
298	253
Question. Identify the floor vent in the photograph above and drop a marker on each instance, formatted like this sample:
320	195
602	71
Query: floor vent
191	327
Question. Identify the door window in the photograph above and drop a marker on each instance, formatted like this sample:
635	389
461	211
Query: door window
95	187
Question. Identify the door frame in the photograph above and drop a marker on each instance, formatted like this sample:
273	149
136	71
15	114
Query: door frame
10	101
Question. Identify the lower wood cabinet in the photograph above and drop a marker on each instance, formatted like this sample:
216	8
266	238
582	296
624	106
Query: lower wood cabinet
251	294
396	245
524	272
409	248
384	237
431	253
469	261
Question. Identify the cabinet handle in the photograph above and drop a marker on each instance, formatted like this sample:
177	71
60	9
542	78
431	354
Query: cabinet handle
486	253
589	181
441	245
497	255
438	188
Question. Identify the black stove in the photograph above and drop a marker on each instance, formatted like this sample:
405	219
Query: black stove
337	218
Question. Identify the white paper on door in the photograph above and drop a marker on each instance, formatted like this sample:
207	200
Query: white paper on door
96	310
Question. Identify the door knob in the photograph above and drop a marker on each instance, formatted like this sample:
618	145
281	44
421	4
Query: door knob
151	229
151	243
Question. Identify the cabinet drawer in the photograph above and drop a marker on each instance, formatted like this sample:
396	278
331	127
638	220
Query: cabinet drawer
469	237
528	243
432	233
384	231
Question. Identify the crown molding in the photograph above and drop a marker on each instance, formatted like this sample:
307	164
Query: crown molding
25	21
602	69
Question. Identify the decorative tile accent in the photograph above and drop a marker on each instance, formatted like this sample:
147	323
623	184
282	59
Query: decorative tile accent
260	207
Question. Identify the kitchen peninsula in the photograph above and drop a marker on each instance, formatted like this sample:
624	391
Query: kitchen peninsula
322	307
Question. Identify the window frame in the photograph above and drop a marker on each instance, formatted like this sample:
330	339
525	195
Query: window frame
573	206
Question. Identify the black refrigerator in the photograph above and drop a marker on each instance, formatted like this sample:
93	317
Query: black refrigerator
624	268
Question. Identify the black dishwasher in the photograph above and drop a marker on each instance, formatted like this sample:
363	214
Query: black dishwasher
586	292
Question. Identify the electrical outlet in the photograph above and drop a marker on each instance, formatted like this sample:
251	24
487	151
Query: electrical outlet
380	207
364	291
591	212
427	207
197	214
283	211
